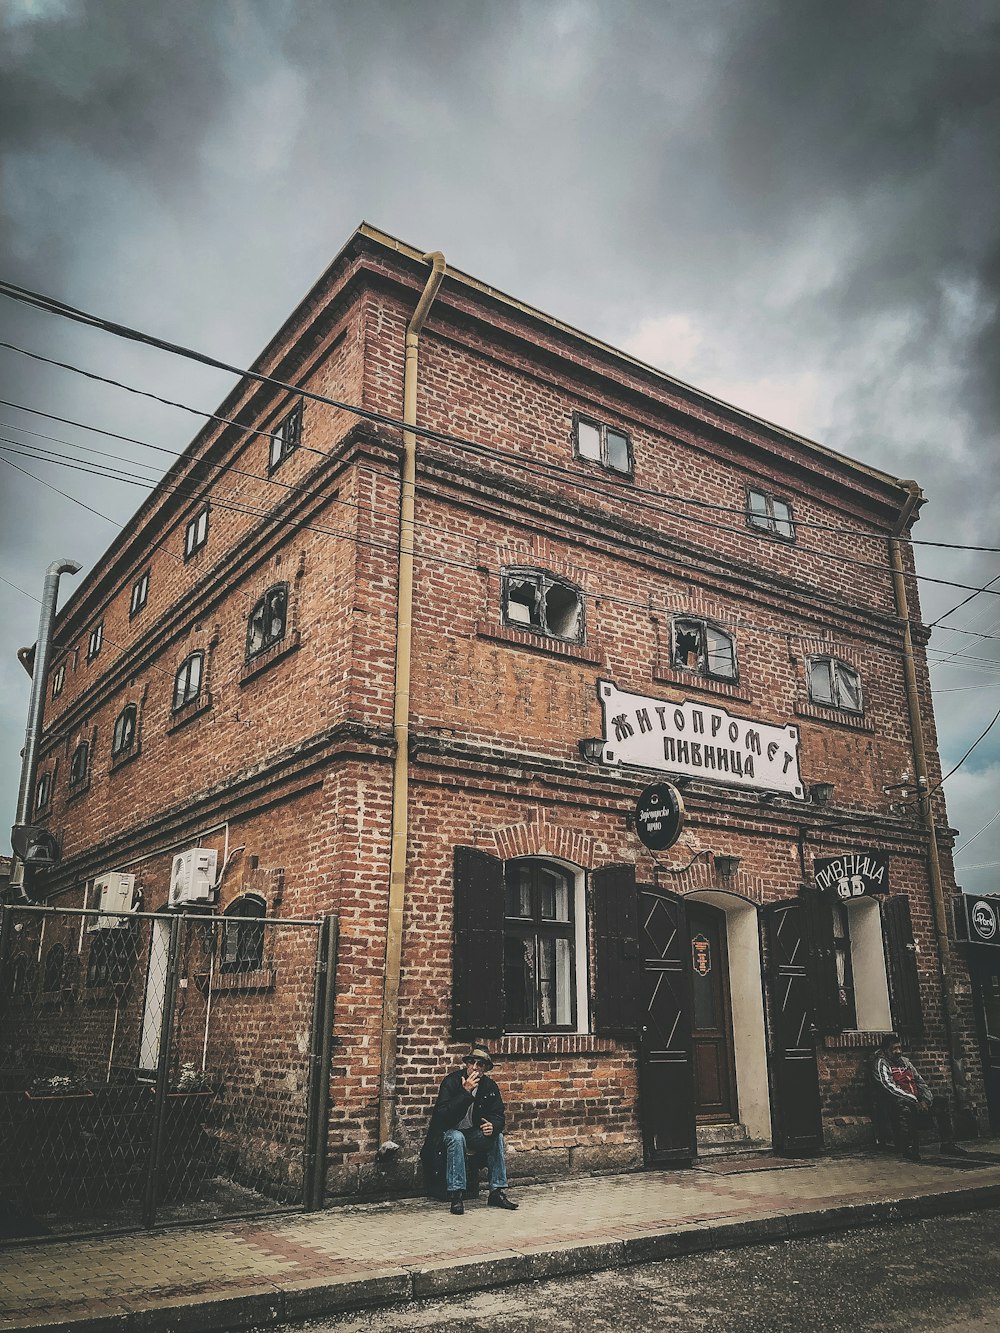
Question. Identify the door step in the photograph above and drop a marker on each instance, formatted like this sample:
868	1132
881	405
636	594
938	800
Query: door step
731	1140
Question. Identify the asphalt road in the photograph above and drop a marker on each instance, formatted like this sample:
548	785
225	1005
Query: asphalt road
942	1274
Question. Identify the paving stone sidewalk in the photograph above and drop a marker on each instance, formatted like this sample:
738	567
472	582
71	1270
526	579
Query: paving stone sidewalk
267	1271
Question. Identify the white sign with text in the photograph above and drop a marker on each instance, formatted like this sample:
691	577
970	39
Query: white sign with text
699	739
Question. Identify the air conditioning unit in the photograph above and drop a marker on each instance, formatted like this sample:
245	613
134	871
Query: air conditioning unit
192	877
112	893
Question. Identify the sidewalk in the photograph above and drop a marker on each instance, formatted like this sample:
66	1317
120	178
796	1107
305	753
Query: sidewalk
267	1271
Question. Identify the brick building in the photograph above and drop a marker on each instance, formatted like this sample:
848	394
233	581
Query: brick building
616	580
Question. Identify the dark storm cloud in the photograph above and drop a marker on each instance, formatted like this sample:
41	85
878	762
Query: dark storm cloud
793	204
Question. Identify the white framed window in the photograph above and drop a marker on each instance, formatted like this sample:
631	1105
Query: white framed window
285	438
58	680
545	970
140	594
770	514
187	682
859	952
703	648
600	443
834	684
196	533
95	641
538	601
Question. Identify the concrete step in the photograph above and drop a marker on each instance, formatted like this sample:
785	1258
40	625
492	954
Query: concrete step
728	1140
739	1153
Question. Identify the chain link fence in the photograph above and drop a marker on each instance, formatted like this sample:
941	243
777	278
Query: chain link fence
158	1068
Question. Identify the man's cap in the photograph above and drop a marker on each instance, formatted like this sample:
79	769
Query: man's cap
479	1052
890	1039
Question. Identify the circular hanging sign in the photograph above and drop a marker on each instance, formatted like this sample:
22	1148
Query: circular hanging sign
659	816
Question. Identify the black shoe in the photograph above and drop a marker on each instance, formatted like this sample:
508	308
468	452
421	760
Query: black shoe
498	1199
457	1206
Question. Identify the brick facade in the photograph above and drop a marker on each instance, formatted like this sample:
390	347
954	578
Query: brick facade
288	756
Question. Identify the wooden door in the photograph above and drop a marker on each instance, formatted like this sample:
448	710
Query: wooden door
795	1076
715	1100
666	1101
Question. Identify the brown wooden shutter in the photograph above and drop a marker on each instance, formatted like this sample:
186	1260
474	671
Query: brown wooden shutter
901	964
822	961
798	1124
477	990
616	950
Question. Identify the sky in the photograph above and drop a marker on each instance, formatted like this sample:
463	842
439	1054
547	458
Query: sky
792	204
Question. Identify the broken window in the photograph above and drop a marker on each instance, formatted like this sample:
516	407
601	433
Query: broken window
603	444
123	737
705	649
268	619
770	514
533	600
285	438
187	682
79	764
834	684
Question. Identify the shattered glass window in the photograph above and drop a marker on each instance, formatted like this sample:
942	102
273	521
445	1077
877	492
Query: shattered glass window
705	649
533	600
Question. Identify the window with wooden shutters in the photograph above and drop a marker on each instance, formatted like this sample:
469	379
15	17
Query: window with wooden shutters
539	948
477	993
616	951
901	957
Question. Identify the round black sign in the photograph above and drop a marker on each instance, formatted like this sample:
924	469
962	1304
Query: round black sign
659	816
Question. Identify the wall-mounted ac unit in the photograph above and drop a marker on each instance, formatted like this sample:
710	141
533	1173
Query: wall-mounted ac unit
192	877
112	893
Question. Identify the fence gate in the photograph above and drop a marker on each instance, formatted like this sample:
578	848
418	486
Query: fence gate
158	1068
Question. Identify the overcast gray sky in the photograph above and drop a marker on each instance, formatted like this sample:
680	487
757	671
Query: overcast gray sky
793	204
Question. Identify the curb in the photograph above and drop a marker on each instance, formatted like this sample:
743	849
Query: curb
266	1305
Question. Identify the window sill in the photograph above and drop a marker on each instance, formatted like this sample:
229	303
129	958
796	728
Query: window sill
691	680
553	1043
120	760
182	716
838	716
604	469
260	979
854	1040
541	643
269	656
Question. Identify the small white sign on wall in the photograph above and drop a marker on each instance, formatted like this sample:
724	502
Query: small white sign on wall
699	739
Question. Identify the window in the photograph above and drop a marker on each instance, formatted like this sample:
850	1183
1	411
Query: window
123	738
196	533
95	641
539	940
58	680
79	764
54	968
834	684
43	791
113	954
844	964
533	600
268	620
187	682
770	514
243	934
602	444
140	594
285	438
702	648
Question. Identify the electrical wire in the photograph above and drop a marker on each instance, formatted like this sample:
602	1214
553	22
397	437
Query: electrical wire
989	823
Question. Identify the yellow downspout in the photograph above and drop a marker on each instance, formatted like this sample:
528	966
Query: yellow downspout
401	720
914	498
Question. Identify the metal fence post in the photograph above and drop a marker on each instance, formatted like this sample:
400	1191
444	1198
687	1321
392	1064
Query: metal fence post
162	1073
321	1047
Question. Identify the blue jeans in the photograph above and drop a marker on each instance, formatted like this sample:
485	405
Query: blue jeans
455	1142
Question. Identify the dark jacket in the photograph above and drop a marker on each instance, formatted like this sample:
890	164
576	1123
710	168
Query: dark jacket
451	1105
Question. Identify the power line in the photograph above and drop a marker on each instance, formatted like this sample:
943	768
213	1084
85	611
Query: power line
966	755
975	835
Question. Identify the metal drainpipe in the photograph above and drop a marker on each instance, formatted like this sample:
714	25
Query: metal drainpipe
401	720
914	497
36	706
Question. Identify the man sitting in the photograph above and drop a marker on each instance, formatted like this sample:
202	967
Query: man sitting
468	1117
903	1100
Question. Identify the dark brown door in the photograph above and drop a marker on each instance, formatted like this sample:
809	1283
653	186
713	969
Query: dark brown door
711	1017
795	1077
666	1105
